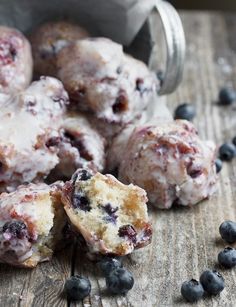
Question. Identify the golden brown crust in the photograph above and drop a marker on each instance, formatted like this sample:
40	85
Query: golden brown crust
48	39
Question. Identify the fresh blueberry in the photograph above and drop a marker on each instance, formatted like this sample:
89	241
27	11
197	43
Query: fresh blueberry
227	152
212	282
185	111
218	164
108	264
228	231
160	76
227	96
119	281
192	290
234	141
227	257
77	288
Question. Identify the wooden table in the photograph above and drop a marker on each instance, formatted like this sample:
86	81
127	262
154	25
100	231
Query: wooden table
185	241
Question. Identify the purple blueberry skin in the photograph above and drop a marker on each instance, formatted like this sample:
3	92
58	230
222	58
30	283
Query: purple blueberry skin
110	219
16	229
81	174
119	281
219	165
161	76
109	209
227	257
77	288
234	141
80	201
227	152
129	232
84	175
227	96
107	264
228	231
212	282
111	216
185	111
192	290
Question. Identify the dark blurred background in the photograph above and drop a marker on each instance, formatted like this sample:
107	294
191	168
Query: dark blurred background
205	4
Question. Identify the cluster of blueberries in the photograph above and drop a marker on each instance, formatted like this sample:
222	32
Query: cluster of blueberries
227	257
227	151
118	280
212	282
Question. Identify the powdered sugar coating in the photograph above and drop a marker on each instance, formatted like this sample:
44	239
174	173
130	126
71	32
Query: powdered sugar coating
171	163
15	61
27	121
80	145
103	80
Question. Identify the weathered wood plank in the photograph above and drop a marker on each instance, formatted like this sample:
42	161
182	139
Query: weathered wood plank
41	286
208	45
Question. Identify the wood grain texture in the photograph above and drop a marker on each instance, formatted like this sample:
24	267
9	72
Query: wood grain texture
186	240
41	286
